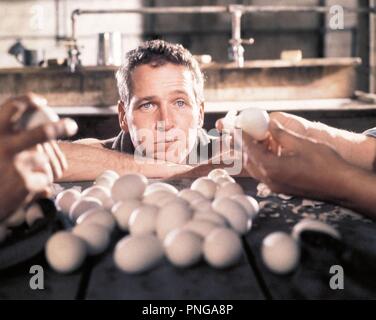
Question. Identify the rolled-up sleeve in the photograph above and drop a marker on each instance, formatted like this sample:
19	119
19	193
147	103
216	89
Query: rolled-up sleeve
370	132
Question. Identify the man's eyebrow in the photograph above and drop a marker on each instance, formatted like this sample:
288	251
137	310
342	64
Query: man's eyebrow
180	92
147	98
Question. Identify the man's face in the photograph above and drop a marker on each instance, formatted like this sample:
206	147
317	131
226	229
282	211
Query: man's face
163	114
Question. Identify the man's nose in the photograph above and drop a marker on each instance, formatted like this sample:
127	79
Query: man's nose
166	117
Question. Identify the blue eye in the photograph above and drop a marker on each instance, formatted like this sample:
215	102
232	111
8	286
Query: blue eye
147	106
180	103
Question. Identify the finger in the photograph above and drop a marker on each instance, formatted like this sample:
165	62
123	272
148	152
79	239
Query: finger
60	155
50	131
286	138
13	108
54	161
219	124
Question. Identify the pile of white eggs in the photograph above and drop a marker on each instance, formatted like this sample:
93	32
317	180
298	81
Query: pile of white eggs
27	215
205	221
280	251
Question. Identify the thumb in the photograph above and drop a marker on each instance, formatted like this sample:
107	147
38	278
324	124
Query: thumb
284	137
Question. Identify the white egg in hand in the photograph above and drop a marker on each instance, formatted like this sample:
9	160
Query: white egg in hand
222	248
136	254
130	186
205	186
255	122
234	213
183	248
65	199
96	237
280	252
122	212
143	220
172	216
65	252
314	225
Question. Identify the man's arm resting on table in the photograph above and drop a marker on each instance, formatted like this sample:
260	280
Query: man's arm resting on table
359	191
86	161
356	148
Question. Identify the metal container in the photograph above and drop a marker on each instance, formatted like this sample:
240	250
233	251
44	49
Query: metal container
110	49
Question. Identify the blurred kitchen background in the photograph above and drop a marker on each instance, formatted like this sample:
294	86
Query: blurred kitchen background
295	61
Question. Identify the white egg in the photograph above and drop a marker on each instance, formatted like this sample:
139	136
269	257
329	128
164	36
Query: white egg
160	186
215	174
98	216
183	248
81	206
249	203
130	186
201	205
143	219
3	233
205	186
280	252
136	254
122	211
65	199
229	189
173	215
111	174
65	252
99	192
200	227
33	213
15	219
191	195
222	180
255	122
108	203
210	216
105	181
234	213
96	237
222	248
314	225
158	198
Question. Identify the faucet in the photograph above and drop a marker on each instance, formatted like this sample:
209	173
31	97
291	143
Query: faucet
236	40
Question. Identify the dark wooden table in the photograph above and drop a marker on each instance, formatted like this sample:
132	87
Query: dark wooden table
249	279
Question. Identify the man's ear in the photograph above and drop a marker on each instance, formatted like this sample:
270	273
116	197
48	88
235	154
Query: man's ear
202	114
121	114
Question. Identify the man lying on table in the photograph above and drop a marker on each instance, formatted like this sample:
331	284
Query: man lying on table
161	113
29	159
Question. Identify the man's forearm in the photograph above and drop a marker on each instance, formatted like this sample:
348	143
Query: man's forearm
355	148
87	162
360	191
